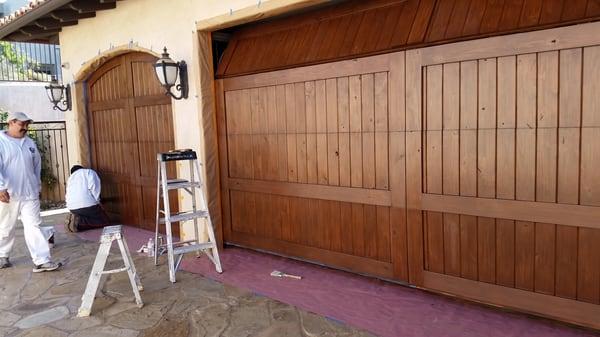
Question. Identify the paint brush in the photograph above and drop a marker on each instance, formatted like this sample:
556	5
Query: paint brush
277	273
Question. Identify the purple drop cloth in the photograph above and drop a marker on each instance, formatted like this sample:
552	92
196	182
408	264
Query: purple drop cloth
382	308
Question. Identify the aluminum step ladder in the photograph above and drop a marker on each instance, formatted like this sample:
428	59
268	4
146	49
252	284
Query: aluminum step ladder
109	234
176	250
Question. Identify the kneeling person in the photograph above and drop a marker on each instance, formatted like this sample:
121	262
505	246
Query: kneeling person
83	200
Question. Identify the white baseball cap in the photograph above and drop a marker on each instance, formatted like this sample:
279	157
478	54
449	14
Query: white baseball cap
20	116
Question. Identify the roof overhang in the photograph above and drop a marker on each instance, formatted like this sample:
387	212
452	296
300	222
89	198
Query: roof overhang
42	20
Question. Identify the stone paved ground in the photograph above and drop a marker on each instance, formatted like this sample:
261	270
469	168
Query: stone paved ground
45	304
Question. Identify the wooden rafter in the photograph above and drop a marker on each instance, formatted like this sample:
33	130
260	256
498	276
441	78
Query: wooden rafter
52	23
87	6
65	15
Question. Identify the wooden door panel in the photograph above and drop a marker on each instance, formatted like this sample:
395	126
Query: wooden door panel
306	161
130	122
502	180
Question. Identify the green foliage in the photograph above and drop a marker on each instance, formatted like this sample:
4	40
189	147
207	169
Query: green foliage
47	176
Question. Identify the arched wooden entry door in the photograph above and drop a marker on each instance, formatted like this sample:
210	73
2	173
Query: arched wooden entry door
130	120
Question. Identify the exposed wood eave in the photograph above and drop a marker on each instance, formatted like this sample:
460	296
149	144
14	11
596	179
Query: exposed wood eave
44	22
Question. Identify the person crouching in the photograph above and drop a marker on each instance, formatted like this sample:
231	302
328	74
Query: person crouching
83	200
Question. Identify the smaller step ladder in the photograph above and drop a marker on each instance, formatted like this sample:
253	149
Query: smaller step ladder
109	234
164	216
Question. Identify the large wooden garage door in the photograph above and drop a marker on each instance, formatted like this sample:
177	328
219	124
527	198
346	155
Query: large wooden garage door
306	164
130	121
503	186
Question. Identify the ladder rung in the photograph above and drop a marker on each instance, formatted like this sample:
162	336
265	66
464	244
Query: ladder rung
184	216
112	271
174	184
193	248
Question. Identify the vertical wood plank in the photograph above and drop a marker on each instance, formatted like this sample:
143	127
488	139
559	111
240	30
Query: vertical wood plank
451	126
311	133
433	113
358	230
468	128
486	137
273	151
344	130
468	247
333	163
301	148
547	121
336	225
321	111
505	179
370	231
590	133
505	252
588	273
368	129
524	255
383	234
568	168
356	171
381	131
292	149
347	228
414	157
433	169
526	125
282	161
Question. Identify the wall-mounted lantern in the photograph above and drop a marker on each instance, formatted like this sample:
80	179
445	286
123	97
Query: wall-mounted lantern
59	95
167	72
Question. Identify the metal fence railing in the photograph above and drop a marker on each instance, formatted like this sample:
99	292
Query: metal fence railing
51	140
27	62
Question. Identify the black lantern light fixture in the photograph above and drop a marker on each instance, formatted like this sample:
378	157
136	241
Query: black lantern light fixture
167	72
59	95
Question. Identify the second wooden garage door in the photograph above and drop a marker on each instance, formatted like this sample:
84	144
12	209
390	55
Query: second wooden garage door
307	165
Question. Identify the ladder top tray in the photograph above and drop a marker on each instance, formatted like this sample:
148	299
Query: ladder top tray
177	155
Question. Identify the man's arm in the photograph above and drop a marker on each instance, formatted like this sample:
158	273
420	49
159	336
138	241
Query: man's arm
37	164
94	184
4	197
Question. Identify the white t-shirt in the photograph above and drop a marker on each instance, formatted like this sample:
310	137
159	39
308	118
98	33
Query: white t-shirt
83	189
20	167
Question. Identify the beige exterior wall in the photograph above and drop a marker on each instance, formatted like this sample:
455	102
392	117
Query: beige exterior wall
149	25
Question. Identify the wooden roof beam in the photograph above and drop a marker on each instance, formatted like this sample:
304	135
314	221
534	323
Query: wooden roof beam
27	33
86	6
65	15
51	23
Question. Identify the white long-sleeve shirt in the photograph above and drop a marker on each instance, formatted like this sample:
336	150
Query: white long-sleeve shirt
20	167
83	189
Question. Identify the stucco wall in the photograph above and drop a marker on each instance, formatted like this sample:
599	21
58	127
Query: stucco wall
29	97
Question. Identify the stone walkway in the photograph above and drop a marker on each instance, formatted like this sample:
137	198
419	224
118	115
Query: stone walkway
46	304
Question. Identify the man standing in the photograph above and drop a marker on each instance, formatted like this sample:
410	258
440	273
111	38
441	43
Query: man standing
20	184
83	200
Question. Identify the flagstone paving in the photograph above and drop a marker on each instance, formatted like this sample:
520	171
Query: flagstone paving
45	304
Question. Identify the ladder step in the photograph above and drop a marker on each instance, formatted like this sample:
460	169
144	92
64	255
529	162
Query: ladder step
184	216
193	248
174	184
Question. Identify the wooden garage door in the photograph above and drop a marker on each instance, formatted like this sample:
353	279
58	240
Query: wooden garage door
306	164
130	121
503	185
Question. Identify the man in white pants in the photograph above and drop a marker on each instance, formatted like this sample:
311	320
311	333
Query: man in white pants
20	169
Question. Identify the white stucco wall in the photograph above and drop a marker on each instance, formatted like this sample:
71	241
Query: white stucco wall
29	97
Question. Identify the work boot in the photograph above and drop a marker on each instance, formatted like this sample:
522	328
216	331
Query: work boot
4	263
70	224
48	266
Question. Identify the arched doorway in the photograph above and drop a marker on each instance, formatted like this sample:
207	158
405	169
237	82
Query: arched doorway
130	120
